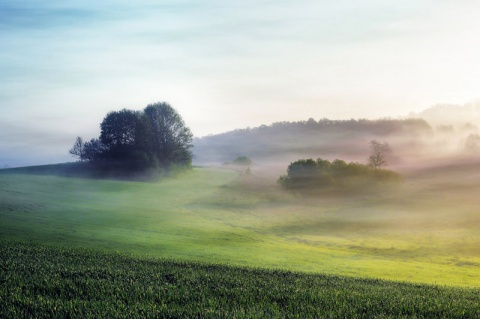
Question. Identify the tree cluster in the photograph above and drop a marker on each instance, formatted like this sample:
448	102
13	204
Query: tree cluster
312	174
243	161
156	137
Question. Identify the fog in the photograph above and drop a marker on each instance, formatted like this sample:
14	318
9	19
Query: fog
425	223
431	215
443	135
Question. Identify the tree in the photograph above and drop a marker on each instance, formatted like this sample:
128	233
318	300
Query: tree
78	149
118	128
131	141
242	160
339	167
473	143
379	154
302	174
307	175
167	135
119	136
93	150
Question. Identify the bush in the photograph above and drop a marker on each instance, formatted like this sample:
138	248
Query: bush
242	160
308	174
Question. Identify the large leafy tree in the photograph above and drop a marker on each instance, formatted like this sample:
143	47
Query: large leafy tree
133	140
119	136
167	135
118	128
94	150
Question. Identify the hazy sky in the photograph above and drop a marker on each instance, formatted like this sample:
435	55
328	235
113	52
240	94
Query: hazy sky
225	64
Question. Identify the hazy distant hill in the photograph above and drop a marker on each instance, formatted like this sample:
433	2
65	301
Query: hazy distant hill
449	114
348	139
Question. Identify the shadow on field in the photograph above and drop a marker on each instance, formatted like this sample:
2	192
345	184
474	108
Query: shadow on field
86	170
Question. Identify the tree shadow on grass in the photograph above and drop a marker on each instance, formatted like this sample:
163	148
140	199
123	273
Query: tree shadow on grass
89	171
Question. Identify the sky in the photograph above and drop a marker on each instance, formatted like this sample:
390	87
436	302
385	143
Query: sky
225	64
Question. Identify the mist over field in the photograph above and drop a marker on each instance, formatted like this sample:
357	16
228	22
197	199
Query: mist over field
435	136
231	208
268	159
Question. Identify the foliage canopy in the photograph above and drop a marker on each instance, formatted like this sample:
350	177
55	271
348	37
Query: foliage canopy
309	174
242	160
155	138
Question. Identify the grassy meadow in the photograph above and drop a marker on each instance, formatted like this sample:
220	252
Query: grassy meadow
424	230
42	281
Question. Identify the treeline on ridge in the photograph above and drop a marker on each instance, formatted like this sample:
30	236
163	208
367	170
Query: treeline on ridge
309	137
133	141
309	174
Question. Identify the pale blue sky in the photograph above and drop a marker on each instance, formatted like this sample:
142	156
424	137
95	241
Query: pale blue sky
225	64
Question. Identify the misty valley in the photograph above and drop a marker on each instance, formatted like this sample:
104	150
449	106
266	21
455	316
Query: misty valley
368	204
239	159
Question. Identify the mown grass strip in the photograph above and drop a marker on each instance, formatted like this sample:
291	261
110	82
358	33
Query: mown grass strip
39	281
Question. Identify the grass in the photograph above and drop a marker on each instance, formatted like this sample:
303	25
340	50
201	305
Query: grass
426	231
39	281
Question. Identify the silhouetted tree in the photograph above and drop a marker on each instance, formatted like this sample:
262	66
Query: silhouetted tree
119	136
78	149
379	154
132	140
118	128
93	150
168	136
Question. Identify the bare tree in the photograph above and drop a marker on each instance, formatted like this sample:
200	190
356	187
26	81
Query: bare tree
78	149
379	154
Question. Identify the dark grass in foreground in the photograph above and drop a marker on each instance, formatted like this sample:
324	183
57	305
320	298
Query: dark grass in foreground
49	282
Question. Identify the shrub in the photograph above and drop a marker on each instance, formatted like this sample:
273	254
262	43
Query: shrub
309	174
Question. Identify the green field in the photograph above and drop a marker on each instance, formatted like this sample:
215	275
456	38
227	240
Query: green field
423	231
41	281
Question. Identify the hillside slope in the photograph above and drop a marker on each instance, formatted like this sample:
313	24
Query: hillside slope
346	139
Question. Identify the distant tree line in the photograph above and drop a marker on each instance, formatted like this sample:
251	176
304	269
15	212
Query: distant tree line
130	141
308	137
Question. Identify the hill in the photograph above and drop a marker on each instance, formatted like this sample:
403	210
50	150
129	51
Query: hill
460	117
287	141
